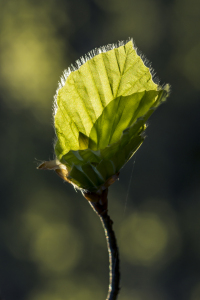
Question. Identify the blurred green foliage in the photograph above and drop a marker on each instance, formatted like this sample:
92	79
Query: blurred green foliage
52	245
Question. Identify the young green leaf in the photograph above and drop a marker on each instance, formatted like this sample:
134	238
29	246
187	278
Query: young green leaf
101	111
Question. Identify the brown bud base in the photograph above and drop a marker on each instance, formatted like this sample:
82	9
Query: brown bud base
98	202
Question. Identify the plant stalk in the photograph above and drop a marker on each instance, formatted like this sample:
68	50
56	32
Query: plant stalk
114	273
113	252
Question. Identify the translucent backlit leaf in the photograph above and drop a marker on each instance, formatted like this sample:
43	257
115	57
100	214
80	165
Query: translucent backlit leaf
101	110
88	90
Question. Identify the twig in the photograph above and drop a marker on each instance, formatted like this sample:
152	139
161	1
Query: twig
113	257
114	274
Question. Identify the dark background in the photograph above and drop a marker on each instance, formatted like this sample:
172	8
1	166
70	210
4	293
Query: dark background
52	245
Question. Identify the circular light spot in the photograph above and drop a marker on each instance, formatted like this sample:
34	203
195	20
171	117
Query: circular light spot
56	247
144	238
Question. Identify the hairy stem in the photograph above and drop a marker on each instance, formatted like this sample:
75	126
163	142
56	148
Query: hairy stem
114	274
113	258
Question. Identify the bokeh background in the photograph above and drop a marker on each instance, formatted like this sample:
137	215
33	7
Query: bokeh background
52	245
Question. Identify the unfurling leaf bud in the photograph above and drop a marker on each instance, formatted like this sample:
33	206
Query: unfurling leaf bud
100	113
